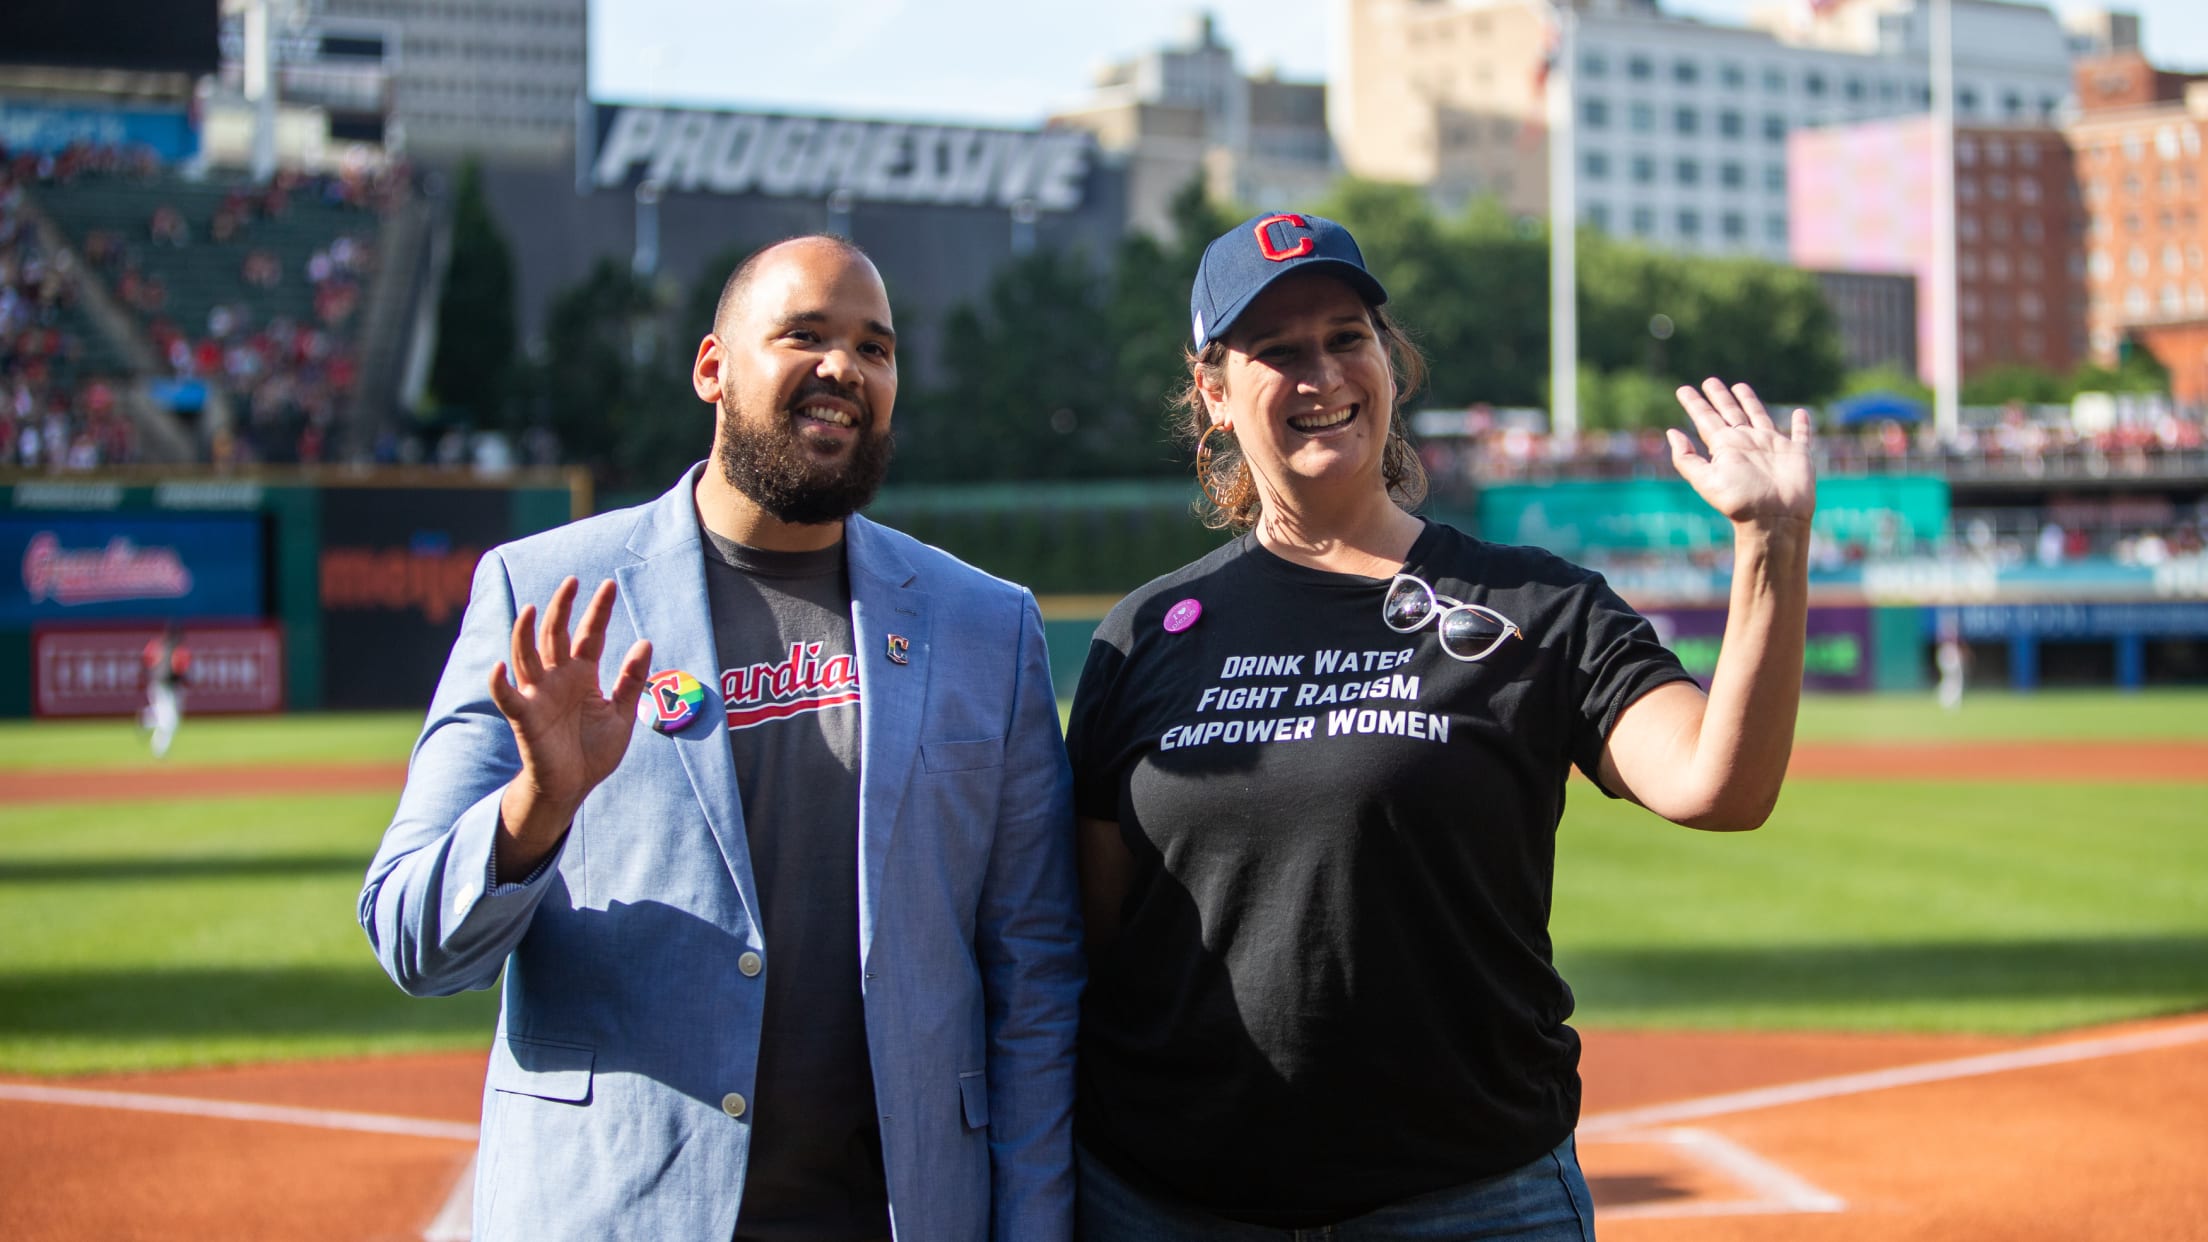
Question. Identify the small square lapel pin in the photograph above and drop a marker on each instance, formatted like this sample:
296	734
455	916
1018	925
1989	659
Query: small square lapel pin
900	649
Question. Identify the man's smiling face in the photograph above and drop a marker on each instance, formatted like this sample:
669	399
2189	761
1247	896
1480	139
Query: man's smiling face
807	380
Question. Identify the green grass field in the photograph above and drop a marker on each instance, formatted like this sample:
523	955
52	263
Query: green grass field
332	738
154	934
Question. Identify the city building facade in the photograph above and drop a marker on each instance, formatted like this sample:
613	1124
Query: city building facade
1680	127
1187	113
1877	314
431	81
1861	201
2140	168
501	81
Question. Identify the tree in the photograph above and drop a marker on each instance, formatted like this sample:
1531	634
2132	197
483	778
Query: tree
2136	370
1067	370
1624	400
1146	317
472	375
616	380
2002	384
1029	392
1886	379
1472	292
1681	319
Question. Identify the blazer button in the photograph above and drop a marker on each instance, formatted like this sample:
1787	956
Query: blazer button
749	963
732	1104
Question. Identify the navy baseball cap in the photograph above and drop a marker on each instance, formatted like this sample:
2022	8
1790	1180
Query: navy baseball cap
1245	260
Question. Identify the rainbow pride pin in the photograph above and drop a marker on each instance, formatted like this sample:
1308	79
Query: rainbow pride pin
670	700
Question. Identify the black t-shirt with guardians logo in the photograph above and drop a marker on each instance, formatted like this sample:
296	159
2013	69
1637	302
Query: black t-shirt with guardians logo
789	683
1332	985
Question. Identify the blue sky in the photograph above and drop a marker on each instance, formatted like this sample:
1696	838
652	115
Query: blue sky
1012	62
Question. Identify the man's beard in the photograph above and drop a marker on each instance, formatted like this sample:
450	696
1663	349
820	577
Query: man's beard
768	462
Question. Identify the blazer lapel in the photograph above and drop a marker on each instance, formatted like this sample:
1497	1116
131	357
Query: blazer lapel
665	595
885	604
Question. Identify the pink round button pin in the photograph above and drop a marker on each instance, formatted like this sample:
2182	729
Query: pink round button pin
1182	615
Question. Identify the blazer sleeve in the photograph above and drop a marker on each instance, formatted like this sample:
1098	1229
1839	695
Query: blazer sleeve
428	905
1028	943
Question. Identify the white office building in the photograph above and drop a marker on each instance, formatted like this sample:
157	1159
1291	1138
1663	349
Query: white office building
497	79
1187	111
1680	125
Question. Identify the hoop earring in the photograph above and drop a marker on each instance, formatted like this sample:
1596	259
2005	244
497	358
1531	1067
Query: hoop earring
1203	466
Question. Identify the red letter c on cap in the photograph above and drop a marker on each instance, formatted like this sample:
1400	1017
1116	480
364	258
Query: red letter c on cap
1265	239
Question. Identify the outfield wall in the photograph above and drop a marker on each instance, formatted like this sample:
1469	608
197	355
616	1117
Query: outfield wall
356	582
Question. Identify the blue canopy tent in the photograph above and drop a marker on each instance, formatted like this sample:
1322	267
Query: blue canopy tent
1876	407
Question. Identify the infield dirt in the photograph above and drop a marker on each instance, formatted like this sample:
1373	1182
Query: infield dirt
2100	1148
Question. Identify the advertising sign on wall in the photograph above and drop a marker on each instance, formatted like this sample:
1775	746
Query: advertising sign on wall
102	672
1573	516
395	569
45	127
68	568
812	157
2082	620
1838	656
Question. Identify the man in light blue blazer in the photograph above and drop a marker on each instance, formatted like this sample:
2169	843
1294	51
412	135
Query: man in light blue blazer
772	844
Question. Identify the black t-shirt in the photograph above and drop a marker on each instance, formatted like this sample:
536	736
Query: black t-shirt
1332	986
789	684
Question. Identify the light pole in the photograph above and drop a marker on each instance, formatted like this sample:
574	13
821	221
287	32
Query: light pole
1946	352
1563	242
645	260
260	85
1023	227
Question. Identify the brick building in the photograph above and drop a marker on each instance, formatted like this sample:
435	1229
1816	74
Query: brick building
2140	167
1860	197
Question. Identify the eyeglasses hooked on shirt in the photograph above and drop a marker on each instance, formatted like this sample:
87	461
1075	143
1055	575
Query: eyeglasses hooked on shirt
1469	632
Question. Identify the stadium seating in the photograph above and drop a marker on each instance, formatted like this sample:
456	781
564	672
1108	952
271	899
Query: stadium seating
257	289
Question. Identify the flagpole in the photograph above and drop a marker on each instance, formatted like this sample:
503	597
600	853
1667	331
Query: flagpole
1946	352
1563	227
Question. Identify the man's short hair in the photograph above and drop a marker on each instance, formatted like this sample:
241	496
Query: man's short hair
739	281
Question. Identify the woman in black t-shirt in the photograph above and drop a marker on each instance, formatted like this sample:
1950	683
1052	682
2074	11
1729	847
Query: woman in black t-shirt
1320	772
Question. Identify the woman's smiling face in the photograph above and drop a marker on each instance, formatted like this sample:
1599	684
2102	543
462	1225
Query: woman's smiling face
1308	387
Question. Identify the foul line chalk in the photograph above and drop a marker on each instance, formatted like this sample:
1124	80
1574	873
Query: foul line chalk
1773	1191
454	1220
1901	1076
232	1110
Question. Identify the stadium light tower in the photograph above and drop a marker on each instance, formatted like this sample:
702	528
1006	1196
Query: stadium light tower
1946	354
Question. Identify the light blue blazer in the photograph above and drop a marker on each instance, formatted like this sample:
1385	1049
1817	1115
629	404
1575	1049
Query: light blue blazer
627	1032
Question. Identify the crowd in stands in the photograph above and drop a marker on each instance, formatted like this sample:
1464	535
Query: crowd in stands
2000	542
285	364
2139	530
2013	443
52	414
2144	530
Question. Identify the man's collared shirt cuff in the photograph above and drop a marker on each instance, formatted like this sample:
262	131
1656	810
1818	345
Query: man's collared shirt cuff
491	886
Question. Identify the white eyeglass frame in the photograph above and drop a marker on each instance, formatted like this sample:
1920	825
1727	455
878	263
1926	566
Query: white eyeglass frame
1439	606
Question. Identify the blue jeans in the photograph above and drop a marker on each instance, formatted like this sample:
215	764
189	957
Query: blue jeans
1545	1201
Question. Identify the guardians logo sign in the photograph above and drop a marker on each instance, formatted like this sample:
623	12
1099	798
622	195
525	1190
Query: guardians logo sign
70	568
